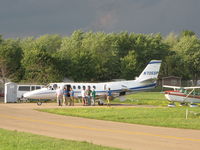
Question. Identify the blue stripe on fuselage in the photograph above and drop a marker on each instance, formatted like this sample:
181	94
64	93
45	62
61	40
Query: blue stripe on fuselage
133	88
146	86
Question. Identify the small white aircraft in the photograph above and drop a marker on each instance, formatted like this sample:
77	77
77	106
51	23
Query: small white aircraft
146	80
184	95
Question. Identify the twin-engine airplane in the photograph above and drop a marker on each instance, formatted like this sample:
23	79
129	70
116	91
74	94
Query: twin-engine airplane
183	95
146	80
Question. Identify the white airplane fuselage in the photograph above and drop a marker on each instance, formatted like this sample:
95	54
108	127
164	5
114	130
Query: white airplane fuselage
146	81
116	87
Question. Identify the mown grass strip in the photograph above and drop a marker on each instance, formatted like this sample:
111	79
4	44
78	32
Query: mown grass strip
165	117
145	98
14	140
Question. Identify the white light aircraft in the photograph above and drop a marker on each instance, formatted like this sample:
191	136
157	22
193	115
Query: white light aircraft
183	95
146	80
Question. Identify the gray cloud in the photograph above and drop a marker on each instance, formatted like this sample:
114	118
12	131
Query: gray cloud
37	17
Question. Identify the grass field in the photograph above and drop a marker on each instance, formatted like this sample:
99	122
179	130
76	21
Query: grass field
13	140
163	116
145	98
160	116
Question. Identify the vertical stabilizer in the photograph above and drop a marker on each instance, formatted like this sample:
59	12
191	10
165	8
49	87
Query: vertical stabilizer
151	71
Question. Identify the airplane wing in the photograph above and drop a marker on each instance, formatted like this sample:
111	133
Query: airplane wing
173	87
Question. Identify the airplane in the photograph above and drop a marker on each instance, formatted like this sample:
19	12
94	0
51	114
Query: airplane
146	81
183	95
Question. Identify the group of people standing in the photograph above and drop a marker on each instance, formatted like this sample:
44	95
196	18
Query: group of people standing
66	96
88	96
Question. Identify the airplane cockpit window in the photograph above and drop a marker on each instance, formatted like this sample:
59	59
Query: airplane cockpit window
55	86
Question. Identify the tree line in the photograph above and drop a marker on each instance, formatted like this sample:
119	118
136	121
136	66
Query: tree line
97	56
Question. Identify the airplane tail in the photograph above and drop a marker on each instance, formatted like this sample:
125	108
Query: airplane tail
150	73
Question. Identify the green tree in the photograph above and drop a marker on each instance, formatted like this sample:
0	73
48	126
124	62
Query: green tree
128	66
10	57
72	55
39	63
188	48
171	39
147	48
186	33
125	42
105	53
174	65
91	56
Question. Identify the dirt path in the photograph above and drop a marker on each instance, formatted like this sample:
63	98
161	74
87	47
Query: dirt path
23	117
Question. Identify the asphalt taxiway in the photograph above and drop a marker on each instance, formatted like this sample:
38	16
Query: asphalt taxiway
23	117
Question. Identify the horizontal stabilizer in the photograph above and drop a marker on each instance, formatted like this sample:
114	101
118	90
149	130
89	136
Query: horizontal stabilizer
178	87
150	80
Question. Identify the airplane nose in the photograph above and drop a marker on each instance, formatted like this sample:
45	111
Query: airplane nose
27	95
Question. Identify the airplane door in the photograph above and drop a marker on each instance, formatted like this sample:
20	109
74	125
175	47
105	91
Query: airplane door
68	86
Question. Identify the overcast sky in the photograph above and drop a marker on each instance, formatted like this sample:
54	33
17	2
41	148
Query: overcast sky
19	18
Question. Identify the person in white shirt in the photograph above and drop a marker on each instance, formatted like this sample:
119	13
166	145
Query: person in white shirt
59	96
83	95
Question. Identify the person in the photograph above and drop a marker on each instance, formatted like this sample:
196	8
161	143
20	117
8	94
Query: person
88	92
71	97
59	96
93	96
109	96
83	96
65	96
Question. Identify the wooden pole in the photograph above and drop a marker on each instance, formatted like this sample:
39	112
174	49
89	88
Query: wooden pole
186	114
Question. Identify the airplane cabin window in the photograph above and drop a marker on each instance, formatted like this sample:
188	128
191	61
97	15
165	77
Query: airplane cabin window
38	87
89	86
84	86
32	88
79	87
94	87
74	87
